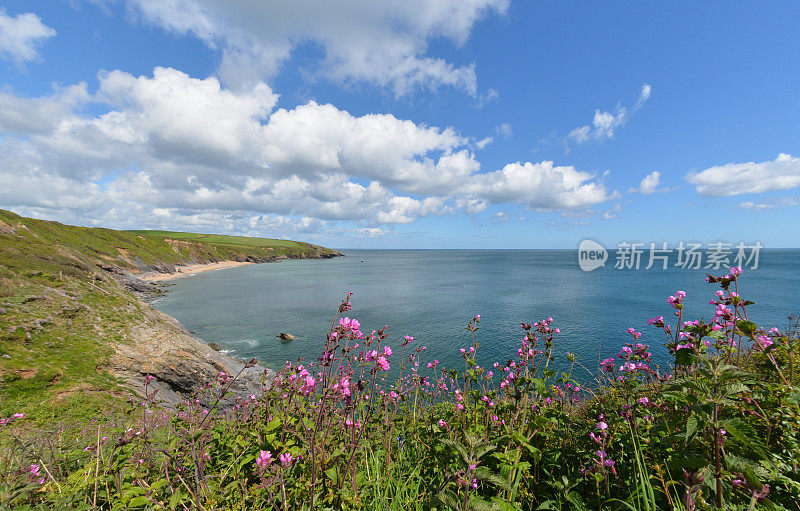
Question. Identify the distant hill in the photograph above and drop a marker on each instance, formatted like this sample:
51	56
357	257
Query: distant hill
75	337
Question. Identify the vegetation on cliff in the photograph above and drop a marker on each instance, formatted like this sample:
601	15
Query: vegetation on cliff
74	339
717	429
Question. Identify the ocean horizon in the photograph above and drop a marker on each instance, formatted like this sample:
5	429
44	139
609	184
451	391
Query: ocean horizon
431	294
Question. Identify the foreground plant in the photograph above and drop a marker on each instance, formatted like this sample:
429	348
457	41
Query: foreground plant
717	430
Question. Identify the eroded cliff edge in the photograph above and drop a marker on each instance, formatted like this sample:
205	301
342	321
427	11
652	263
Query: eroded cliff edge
74	322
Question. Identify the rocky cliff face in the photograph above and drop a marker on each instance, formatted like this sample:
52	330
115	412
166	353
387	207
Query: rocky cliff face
158	345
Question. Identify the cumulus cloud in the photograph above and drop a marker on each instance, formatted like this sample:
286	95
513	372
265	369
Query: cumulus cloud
20	37
381	43
782	173
649	184
170	148
25	116
606	123
542	186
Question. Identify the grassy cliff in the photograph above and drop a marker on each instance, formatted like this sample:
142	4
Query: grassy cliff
74	338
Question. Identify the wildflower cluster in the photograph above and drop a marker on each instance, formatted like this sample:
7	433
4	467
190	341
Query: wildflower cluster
371	425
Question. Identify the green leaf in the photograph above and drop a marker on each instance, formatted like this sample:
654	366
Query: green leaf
746	327
502	505
458	447
576	501
744	433
139	502
332	475
536	453
685	356
481	505
540	386
175	499
693	427
753	480
156	486
482	450
484	474
448	498
735	388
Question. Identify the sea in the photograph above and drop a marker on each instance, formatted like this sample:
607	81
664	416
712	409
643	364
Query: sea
432	294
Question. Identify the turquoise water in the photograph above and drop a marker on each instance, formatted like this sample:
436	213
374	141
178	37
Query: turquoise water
432	294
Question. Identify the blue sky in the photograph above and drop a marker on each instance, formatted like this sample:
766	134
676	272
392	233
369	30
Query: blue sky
449	124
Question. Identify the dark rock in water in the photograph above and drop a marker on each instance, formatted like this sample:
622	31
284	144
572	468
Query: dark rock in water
215	346
286	337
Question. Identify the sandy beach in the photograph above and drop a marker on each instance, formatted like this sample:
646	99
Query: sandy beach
191	269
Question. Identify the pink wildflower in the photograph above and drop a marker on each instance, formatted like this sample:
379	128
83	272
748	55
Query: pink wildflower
382	363
763	342
263	461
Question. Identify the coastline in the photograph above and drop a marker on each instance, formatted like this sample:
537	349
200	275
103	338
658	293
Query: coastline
77	328
189	270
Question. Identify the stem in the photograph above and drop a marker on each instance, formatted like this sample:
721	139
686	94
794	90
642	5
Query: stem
717	459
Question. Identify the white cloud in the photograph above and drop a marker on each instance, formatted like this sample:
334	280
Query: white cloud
606	123
482	143
381	43
504	130
20	37
169	148
188	118
644	95
613	212
540	185
25	116
649	184
369	232
781	202
752	206
782	173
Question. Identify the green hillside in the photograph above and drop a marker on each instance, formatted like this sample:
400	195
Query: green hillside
219	239
66	301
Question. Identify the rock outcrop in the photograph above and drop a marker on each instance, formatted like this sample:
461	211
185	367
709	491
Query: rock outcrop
160	346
